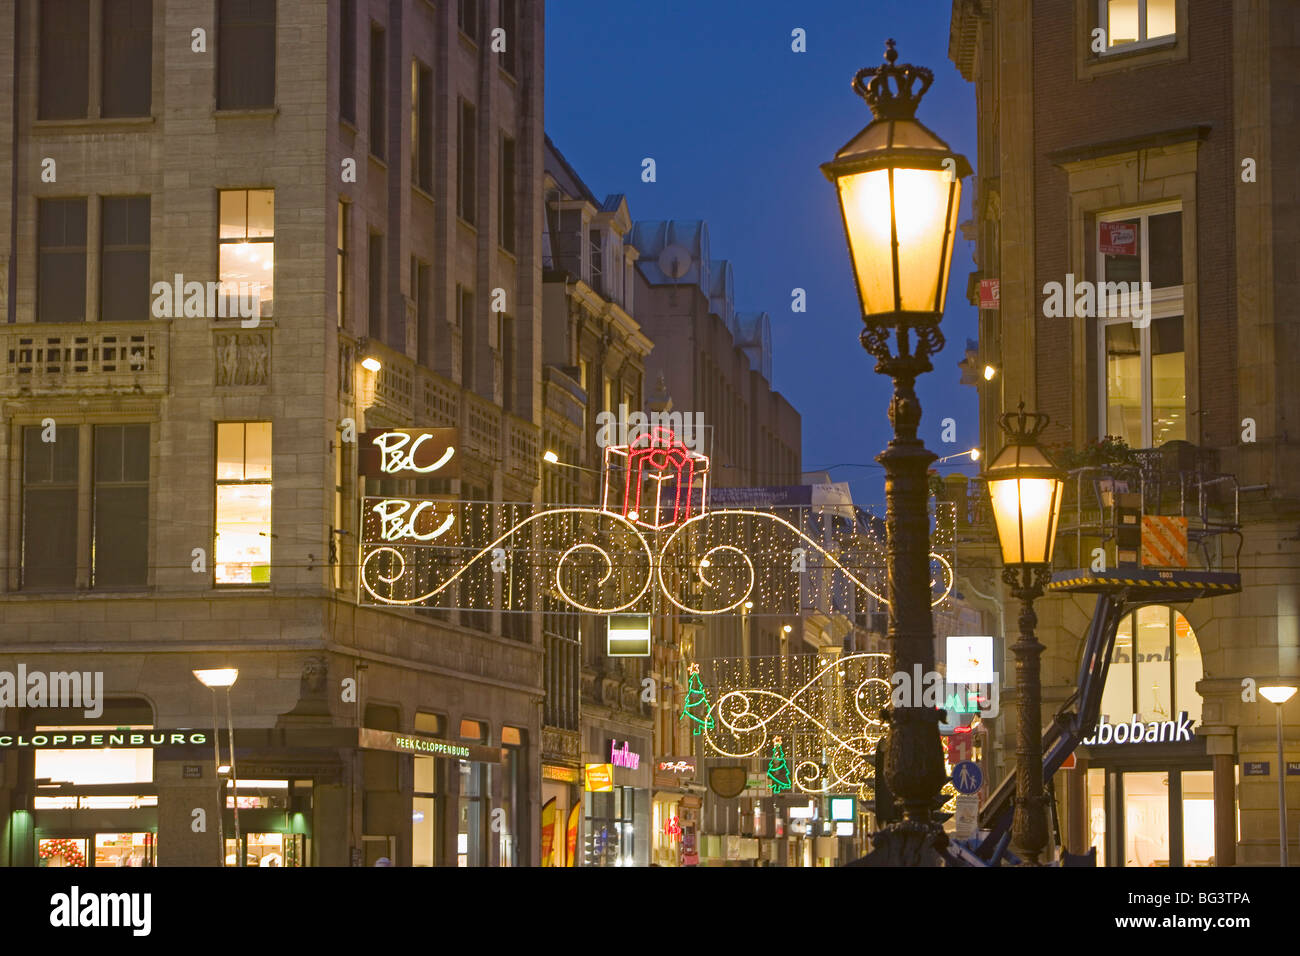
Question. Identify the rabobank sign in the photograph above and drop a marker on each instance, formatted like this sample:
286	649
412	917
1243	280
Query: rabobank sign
1137	732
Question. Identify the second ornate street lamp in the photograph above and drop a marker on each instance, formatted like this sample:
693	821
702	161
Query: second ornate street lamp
1025	488
900	188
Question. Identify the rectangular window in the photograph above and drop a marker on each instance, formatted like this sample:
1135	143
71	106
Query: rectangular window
245	54
510	23
1131	22
124	259
378	90
243	482
514	797
474	808
422	126
341	473
597	257
465	319
348	60
467	151
375	287
64	84
49	558
120	548
421	292
467	18
507	224
128	57
506	338
341	265
426	806
1142	357
61	260
246	249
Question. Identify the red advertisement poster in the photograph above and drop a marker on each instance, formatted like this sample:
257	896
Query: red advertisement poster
1118	239
572	840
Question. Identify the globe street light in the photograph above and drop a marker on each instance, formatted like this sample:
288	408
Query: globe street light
899	187
1279	694
1025	489
212	679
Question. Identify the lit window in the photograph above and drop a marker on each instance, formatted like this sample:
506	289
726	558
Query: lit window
246	247
1130	22
243	538
1139	303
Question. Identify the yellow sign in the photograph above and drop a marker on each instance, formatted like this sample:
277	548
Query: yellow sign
600	777
565	774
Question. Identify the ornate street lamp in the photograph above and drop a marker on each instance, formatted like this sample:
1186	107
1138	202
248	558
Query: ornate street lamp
899	187
1025	488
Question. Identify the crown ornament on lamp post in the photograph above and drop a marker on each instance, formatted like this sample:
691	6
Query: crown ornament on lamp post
896	101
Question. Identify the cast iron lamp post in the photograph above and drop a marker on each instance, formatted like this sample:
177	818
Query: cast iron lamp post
900	188
1025	488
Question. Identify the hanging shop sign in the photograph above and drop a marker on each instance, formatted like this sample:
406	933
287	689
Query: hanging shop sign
628	635
600	777
990	296
386	521
73	740
623	756
370	739
1137	732
562	774
409	453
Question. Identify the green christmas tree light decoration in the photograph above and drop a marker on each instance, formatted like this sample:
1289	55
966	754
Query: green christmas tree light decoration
697	706
778	771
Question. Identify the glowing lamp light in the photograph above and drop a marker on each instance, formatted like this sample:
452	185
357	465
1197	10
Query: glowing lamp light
900	190
989	372
787	629
218	676
974	454
372	364
551	457
1277	693
1025	489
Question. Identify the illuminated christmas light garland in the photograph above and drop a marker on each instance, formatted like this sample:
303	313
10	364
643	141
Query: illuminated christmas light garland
829	717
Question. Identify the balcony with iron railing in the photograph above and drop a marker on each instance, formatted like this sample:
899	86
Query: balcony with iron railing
1176	480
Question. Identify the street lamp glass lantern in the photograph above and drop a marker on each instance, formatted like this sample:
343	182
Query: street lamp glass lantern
1277	693
1025	489
900	191
218	676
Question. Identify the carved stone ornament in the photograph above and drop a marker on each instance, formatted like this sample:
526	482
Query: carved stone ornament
242	358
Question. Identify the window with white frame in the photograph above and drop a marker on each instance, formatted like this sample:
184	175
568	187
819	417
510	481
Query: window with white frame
1130	23
1141	353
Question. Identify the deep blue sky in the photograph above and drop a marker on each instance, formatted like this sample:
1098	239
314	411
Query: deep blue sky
737	124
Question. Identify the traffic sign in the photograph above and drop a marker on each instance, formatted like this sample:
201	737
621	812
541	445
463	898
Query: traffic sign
966	817
967	777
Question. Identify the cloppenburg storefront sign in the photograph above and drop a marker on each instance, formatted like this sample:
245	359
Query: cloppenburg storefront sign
68	740
1136	732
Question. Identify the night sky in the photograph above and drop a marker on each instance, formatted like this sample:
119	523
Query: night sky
738	124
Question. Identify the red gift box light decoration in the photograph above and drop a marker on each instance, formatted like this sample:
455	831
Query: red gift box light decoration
657	473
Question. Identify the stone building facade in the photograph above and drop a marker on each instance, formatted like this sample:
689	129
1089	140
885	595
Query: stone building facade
1157	147
376	168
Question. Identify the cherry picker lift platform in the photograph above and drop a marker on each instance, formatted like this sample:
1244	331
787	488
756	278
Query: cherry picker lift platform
1120	590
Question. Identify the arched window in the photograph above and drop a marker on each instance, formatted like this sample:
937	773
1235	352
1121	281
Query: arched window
1154	668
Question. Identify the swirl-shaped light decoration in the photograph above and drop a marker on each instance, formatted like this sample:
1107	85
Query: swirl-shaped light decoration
831	717
614	573
566	567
